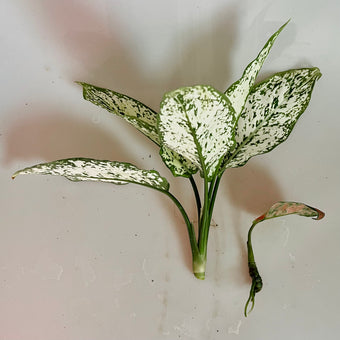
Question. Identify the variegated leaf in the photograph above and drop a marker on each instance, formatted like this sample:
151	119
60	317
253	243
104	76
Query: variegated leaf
141	117
177	164
238	92
284	208
198	123
85	169
134	112
270	113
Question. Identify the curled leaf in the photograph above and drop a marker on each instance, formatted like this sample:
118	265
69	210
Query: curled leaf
284	208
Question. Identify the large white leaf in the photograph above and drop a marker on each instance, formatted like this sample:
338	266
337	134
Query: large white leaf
134	112
85	169
238	92
270	113
198	123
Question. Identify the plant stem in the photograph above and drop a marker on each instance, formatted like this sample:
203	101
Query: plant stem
203	230
256	284
213	196
198	261
210	192
203	233
197	196
190	228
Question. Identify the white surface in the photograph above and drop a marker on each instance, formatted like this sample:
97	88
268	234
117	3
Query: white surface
93	261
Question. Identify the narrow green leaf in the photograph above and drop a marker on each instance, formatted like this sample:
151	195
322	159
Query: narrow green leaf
198	123
270	113
238	92
134	112
85	169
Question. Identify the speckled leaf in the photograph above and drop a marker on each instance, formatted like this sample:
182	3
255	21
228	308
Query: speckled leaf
141	117
177	164
85	169
270	113
198	123
238	92
134	112
284	208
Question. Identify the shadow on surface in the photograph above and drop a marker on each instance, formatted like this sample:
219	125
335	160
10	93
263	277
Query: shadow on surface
57	136
252	189
106	60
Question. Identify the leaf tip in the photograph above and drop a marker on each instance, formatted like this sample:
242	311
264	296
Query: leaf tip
285	24
15	174
320	213
317	73
79	83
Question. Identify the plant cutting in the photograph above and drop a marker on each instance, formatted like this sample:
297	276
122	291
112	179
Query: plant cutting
199	130
278	209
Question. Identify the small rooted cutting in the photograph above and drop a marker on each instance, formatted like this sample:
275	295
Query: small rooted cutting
199	129
278	209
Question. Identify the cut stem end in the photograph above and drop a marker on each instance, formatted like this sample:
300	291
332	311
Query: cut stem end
198	266
200	276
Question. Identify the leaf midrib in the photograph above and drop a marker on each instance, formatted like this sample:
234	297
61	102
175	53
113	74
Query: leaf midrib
98	179
198	146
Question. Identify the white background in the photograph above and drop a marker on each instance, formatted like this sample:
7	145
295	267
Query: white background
88	261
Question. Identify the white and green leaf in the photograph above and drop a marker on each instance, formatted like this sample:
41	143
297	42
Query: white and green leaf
270	113
177	164
238	92
134	112
198	123
85	169
142	118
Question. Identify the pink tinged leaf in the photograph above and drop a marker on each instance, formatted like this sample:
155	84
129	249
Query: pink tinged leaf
284	208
